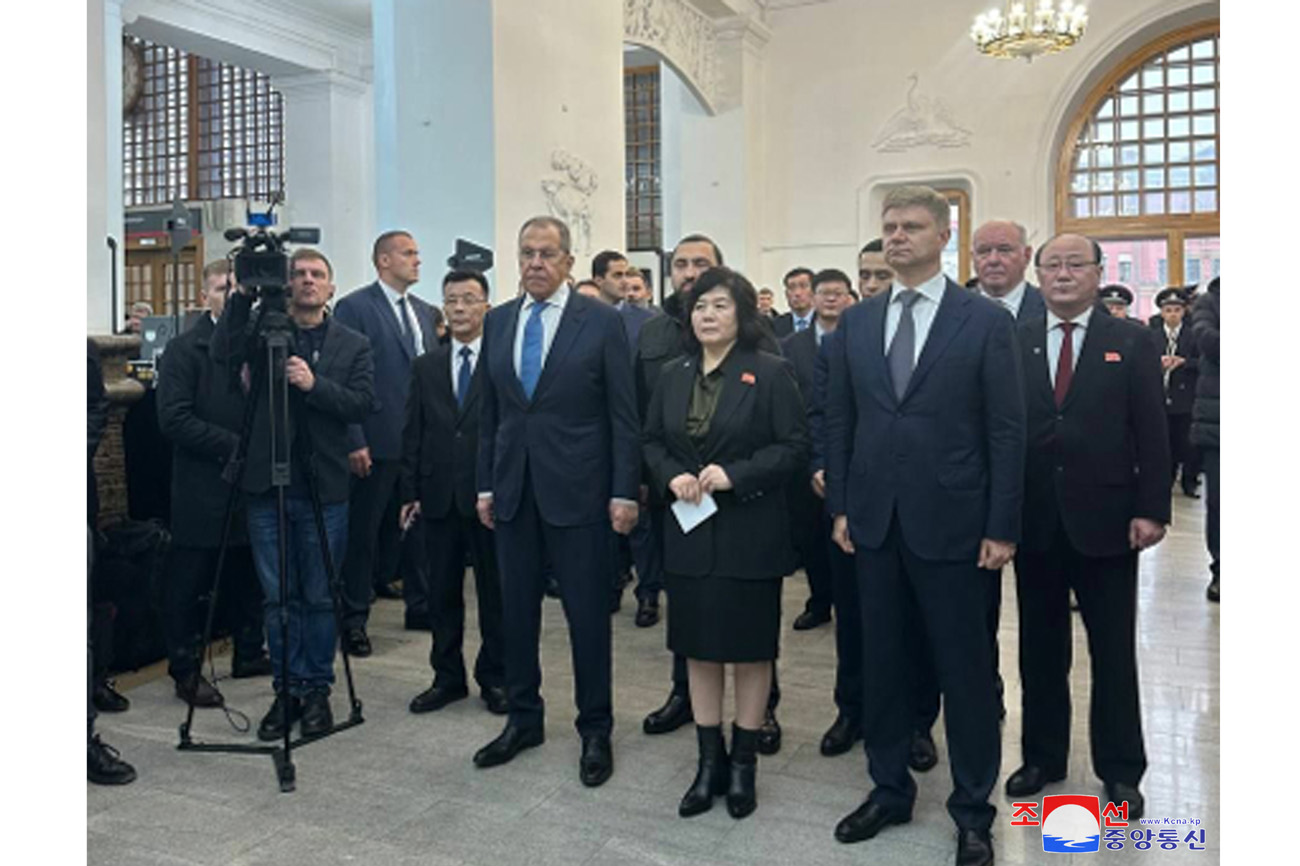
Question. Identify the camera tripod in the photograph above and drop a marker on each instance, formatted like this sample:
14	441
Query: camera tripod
271	339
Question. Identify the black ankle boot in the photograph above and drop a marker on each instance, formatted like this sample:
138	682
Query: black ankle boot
711	777
741	799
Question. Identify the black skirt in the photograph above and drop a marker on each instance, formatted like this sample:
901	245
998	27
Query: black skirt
724	619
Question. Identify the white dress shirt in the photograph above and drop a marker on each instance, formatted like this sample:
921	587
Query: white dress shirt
550	322
457	360
1011	300
1055	335
820	331
393	297
923	310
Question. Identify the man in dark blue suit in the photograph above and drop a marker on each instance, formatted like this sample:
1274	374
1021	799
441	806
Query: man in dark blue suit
613	274
400	327
925	452
559	462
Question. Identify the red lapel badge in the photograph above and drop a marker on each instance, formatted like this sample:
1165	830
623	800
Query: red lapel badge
748	378
1112	358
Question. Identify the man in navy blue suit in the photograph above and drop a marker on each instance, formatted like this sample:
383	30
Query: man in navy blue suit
1002	254
400	327
559	463
925	454
613	274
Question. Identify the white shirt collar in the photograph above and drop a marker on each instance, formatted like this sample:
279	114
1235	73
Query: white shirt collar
1081	320
931	289
457	345
557	300
391	293
1011	300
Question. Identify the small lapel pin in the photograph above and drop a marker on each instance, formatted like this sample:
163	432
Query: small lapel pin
1038	350
747	378
1112	358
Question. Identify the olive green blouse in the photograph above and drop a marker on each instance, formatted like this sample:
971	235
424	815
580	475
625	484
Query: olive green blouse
704	402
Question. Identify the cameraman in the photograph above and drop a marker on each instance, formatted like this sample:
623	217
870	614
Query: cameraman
330	374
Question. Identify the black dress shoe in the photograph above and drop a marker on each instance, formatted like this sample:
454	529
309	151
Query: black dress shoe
509	743
923	755
495	698
647	611
317	717
769	734
435	697
552	588
597	762
811	619
616	599
107	699
356	643
104	765
195	689
841	736
866	821
1029	780
1118	793
388	590
1191	494
272	726
1212	591
675	712
244	669
974	848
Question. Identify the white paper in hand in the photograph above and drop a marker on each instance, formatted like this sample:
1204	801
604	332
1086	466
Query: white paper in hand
690	516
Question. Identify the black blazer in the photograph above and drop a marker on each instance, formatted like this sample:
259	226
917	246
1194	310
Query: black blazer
1103	457
342	395
577	439
948	458
783	325
201	412
440	440
1181	392
759	436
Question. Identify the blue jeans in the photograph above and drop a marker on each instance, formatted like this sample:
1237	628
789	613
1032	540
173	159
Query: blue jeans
312	633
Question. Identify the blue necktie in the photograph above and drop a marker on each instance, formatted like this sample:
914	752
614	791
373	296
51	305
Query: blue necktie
800	324
530	358
463	377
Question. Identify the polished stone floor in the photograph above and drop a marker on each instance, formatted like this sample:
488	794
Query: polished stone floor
400	789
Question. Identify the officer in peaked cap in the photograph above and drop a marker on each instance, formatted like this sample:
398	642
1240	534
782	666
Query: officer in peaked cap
1117	300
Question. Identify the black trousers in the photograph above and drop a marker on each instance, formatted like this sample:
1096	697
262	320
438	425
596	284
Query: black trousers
848	632
647	541
1106	589
189	575
1185	457
403	555
581	558
1210	461
810	529
449	539
903	597
369	506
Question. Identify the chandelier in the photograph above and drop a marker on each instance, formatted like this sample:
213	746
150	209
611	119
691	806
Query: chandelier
1018	32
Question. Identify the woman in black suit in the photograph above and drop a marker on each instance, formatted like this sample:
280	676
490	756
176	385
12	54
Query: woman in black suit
726	420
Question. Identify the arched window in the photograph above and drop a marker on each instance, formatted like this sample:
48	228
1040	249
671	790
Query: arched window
1139	169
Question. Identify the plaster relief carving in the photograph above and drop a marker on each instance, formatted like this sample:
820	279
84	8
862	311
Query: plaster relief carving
924	121
568	196
681	33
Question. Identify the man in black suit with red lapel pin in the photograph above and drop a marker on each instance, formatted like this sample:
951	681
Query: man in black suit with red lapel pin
439	456
1096	494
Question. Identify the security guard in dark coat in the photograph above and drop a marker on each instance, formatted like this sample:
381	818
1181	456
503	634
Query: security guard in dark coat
1179	360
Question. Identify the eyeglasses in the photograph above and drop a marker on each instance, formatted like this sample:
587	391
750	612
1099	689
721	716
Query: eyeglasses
832	294
547	255
1074	267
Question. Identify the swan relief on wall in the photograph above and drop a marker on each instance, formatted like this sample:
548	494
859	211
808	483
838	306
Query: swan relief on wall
923	121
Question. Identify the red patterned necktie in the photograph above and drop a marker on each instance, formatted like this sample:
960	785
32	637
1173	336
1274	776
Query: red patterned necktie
1064	363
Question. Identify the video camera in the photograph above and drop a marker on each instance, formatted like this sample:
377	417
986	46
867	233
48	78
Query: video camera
261	265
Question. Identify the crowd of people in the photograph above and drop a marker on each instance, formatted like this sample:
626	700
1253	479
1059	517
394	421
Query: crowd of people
901	440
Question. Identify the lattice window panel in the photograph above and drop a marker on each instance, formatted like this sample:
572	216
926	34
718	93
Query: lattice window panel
241	133
203	130
643	163
156	140
1151	148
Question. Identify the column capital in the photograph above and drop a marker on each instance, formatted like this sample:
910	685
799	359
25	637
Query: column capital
328	81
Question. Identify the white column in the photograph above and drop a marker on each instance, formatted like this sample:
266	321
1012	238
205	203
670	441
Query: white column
434	171
328	180
103	163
